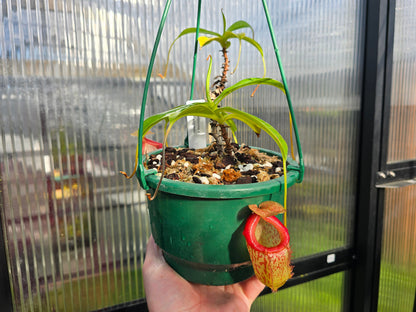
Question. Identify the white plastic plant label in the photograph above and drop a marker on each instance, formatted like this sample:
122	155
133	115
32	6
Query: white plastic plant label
197	129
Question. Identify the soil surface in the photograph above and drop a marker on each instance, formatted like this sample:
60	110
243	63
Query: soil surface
205	166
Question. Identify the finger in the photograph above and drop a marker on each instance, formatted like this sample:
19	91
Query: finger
152	249
252	287
154	257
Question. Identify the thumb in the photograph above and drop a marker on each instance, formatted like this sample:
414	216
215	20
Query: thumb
252	287
153	258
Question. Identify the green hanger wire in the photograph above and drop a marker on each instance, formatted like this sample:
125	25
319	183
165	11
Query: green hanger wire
289	101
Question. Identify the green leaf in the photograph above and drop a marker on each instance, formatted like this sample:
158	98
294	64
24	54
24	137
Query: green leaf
223	21
241	36
253	43
186	31
230	35
259	48
207	92
176	113
232	125
240	25
238	58
257	125
193	30
248	82
153	120
196	109
245	119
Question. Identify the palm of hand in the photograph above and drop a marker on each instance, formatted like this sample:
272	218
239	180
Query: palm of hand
167	291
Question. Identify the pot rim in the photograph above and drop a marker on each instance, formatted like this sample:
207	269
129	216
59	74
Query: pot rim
227	191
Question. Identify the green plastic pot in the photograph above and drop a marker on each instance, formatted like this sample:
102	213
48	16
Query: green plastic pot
199	227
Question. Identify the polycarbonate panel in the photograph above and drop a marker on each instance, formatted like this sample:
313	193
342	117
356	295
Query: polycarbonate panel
398	253
324	294
72	77
321	48
402	142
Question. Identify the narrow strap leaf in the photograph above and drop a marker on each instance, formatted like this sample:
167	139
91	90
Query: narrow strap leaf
240	25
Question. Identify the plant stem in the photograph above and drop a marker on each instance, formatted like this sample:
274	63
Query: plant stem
219	132
217	137
219	85
226	140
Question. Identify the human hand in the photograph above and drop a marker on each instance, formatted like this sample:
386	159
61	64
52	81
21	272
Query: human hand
166	290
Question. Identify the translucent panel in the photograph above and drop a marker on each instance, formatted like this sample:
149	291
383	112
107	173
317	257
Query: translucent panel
398	254
72	77
321	48
398	259
402	143
324	294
